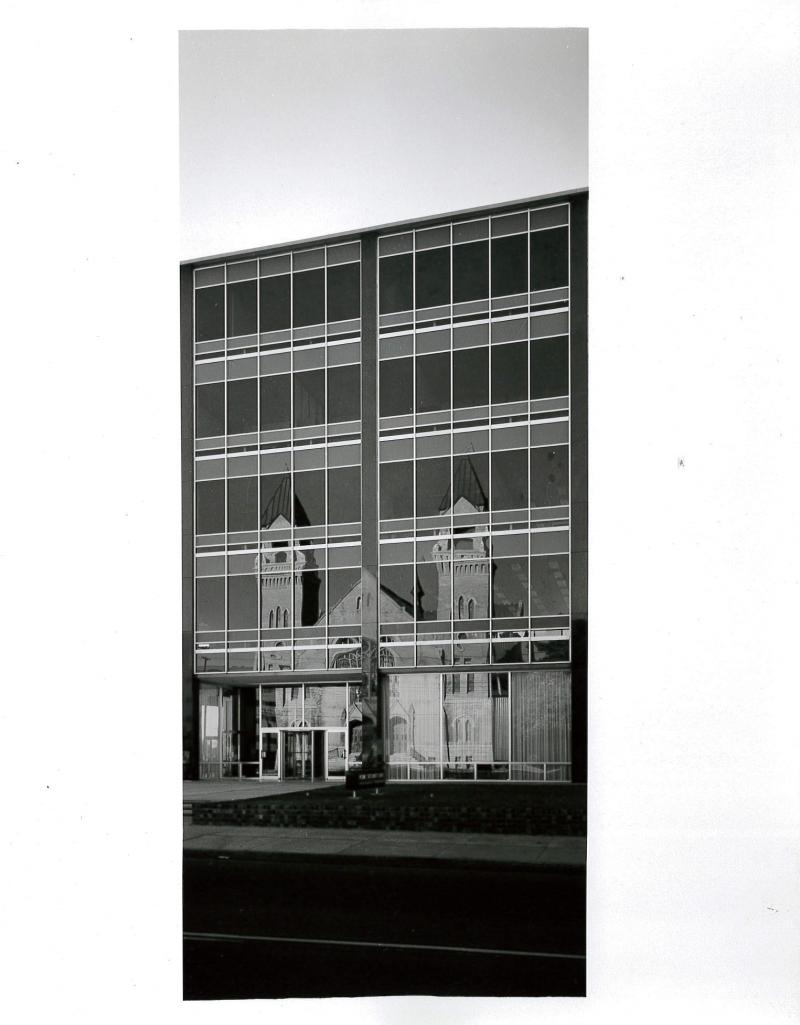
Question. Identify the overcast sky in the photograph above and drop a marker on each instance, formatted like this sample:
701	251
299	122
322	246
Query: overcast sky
291	134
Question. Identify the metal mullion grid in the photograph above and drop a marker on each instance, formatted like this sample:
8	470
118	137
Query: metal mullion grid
569	411
452	465
258	492
528	469
292	559
325	464
413	430
490	524
194	479
225	414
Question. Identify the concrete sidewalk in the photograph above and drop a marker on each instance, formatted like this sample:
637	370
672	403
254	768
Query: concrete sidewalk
568	852
239	789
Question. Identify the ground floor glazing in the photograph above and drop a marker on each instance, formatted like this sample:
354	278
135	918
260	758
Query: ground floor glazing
503	726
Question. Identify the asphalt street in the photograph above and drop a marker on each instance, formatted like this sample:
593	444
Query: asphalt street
260	927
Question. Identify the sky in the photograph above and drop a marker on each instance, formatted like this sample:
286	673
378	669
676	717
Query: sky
286	135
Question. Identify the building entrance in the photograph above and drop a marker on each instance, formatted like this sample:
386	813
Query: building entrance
297	761
310	754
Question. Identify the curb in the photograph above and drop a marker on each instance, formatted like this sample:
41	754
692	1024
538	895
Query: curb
388	860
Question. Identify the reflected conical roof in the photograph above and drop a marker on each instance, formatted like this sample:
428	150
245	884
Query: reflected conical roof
465	485
280	504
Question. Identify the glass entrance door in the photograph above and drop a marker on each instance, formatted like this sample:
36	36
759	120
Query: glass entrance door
296	754
269	753
337	754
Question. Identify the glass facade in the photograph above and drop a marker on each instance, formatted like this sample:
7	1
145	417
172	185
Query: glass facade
277	352
471	405
474	417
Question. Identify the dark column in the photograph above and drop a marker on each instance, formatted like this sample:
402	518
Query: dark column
189	690
579	479
371	741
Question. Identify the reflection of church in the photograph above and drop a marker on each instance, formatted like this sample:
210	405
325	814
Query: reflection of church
463	568
464	583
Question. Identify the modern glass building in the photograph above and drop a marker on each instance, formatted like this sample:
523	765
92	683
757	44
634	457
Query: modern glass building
384	526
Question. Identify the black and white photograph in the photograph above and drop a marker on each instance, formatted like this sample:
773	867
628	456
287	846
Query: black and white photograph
385	523
404	395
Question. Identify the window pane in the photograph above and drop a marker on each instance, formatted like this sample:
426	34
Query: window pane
243	503
470	272
309	398
510	372
242	602
472	578
210	420
242	308
344	594
396	387
432	600
311	599
397	490
276	499
396	287
540	717
344	495
509	265
326	706
344	394
309	297
470	483
210	611
397	594
276	400
550	476
433	382
471	377
209	313
275	303
433	278
549	368
344	292
433	486
510	479
549	258
309	491
510	587
550	585
242	406
413	737
210	506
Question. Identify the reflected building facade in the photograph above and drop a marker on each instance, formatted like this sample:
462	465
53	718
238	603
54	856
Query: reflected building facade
384	448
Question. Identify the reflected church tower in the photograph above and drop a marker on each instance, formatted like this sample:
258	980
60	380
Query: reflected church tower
465	575
289	579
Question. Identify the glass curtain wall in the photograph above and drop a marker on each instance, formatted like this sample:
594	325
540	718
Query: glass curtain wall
277	461
474	441
478	726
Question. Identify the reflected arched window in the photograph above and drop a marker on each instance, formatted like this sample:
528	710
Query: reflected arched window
457	731
358	603
471	609
278	616
271	618
398	732
285	617
468	730
461	606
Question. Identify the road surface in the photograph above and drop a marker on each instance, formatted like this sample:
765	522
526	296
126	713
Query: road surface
258	927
